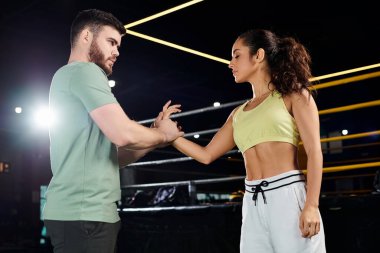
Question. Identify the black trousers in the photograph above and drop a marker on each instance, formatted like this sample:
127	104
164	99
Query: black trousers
82	236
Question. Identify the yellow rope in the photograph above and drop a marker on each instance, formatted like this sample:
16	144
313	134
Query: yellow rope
348	167
351	136
166	43
160	14
346	80
345	72
350	107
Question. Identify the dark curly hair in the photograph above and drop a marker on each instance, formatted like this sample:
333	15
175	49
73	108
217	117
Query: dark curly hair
288	60
93	19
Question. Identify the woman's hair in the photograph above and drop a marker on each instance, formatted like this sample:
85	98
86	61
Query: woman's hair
94	20
288	60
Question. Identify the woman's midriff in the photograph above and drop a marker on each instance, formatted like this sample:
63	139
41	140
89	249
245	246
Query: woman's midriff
270	159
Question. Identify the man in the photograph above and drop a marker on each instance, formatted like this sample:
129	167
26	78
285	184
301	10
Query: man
80	212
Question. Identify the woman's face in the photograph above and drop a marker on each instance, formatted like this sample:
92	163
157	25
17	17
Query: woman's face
243	64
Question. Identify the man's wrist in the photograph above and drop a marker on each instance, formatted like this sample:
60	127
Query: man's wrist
164	138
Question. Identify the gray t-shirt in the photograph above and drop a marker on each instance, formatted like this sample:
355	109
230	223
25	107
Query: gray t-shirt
85	183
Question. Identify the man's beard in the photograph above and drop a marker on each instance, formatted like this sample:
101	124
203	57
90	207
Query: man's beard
96	56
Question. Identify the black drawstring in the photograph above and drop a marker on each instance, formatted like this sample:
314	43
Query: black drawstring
257	189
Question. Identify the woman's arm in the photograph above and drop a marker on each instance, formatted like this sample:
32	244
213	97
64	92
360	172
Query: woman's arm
221	143
305	112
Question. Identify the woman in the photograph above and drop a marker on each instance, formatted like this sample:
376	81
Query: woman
279	214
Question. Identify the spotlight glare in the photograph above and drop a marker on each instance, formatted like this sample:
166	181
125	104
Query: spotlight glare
344	131
196	136
216	104
43	118
111	83
18	109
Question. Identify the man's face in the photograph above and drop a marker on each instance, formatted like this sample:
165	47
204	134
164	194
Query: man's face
104	48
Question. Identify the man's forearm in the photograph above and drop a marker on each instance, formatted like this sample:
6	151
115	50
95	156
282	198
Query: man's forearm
128	156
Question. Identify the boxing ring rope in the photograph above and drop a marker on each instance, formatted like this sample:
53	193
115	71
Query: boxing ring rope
345	72
160	14
347	80
187	182
205	109
350	136
350	107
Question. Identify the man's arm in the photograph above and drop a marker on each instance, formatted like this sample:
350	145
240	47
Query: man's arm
127	156
124	132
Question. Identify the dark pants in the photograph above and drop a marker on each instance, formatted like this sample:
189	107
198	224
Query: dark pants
82	236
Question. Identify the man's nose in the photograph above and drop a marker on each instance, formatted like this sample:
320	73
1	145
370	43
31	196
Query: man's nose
115	52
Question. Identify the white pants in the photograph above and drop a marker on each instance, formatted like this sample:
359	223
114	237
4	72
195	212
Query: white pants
274	226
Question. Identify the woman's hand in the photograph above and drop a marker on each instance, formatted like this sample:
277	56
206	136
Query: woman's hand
310	221
167	111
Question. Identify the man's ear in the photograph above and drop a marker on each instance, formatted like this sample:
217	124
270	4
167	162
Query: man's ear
260	55
86	36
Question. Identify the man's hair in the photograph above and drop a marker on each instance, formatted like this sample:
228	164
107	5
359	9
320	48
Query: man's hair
94	20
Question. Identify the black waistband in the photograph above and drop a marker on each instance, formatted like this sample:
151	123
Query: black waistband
257	188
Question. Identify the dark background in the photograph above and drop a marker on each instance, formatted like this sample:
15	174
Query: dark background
34	40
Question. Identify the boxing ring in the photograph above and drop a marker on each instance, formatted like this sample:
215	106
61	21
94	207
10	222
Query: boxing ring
186	215
356	75
204	214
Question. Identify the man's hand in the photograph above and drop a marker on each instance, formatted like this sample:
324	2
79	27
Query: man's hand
170	129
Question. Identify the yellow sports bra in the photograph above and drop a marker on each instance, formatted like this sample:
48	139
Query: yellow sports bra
269	121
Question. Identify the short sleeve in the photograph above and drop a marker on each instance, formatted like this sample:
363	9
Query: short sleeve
90	85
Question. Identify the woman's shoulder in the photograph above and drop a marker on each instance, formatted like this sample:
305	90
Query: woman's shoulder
302	97
233	112
302	94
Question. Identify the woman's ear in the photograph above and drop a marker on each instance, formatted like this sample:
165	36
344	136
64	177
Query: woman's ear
260	55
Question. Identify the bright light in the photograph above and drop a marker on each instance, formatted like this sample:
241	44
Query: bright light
111	83
344	132
216	104
18	109
196	136
43	118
